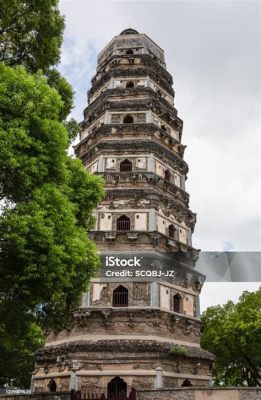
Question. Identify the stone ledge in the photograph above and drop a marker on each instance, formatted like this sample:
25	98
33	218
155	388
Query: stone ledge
122	346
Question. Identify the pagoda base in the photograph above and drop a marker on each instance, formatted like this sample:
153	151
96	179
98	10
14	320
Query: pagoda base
93	366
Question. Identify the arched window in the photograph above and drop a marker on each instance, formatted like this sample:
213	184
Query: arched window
129	51
120	297
123	223
129	85
126	166
186	383
177	303
128	119
117	389
171	231
167	175
52	385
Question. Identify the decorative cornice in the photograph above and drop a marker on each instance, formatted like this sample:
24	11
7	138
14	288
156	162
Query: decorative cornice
136	177
137	91
135	71
132	145
130	106
181	211
134	130
152	240
113	61
120	346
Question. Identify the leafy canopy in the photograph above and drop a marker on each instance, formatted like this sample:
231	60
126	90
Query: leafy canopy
30	33
33	142
17	350
233	333
46	258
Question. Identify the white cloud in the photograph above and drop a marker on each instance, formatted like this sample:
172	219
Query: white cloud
214	294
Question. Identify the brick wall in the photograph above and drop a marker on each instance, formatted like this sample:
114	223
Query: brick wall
201	394
161	394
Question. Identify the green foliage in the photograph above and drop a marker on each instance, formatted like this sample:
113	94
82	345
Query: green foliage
178	350
233	333
46	258
17	349
64	89
30	33
73	129
83	190
31	36
33	142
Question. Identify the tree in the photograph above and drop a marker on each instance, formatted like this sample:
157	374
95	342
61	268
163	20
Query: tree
17	350
46	258
64	89
31	36
33	142
233	333
30	33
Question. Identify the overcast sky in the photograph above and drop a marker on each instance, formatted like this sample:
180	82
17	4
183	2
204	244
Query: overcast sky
213	51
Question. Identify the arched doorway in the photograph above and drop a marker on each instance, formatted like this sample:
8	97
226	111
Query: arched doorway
177	303
171	231
52	385
117	389
123	223
120	297
126	166
130	85
186	383
128	119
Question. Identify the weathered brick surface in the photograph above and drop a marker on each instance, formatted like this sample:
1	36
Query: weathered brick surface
36	396
201	394
253	394
162	394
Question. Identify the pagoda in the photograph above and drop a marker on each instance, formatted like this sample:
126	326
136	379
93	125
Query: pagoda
139	323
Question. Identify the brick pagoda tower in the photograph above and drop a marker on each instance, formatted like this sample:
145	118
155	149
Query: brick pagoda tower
132	331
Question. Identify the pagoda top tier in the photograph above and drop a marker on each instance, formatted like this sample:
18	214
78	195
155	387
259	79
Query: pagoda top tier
129	31
131	42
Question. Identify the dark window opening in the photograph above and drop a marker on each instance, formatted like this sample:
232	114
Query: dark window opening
120	297
123	223
129	51
126	166
163	127
117	389
130	85
167	175
52	385
186	383
177	303
128	119
171	231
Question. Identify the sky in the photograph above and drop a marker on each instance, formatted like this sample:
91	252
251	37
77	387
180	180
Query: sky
213	51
